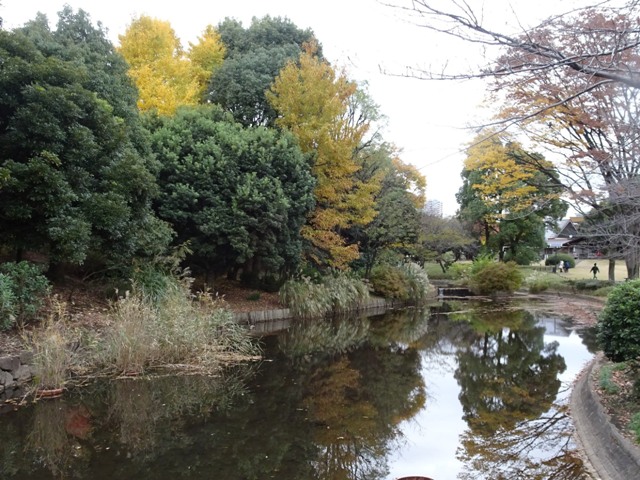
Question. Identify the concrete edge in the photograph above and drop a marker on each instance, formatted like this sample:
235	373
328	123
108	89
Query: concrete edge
609	455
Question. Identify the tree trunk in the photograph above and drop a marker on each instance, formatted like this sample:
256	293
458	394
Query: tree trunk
612	270
632	260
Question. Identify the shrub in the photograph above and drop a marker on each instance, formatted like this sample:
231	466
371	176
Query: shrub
408	282
389	282
7	303
619	323
29	288
460	271
560	257
492	277
590	285
538	285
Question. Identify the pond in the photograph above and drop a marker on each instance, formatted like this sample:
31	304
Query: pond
455	391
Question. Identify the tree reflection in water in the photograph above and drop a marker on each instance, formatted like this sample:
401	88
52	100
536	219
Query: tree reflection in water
509	381
356	391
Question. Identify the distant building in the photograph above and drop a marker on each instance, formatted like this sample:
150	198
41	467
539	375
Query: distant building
569	240
433	207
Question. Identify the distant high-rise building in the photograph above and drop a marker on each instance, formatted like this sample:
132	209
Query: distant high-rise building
433	207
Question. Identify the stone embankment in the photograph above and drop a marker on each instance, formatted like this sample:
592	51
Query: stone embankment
610	455
272	321
15	372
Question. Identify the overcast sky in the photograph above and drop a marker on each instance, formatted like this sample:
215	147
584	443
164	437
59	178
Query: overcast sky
426	119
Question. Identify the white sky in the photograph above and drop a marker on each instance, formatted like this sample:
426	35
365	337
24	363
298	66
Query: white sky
426	119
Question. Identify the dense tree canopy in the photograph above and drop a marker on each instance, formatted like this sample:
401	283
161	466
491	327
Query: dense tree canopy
255	56
74	178
395	227
238	195
290	162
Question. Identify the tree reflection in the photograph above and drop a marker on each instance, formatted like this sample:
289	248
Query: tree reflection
540	448
52	440
506	374
345	425
356	403
324	336
509	380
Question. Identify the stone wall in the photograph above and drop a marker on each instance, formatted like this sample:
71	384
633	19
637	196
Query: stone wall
15	372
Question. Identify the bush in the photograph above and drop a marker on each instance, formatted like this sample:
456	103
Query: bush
389	282
7	303
524	256
591	285
22	293
488	277
408	282
460	271
619	323
560	257
539	284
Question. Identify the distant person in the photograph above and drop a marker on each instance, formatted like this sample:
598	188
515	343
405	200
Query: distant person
566	266
595	271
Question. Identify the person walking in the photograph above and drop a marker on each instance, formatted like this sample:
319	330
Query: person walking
595	270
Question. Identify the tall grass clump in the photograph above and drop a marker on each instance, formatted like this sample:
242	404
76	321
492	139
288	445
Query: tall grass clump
332	294
172	327
51	344
417	281
634	426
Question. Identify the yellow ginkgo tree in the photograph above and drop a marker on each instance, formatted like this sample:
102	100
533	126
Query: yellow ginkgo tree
505	195
166	76
312	101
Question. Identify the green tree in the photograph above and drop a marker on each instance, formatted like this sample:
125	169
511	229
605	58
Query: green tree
443	240
238	195
619	323
76	178
505	200
396	225
255	56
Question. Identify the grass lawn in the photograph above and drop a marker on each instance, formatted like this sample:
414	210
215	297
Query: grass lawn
583	267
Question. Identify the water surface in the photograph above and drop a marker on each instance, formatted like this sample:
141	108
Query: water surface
457	391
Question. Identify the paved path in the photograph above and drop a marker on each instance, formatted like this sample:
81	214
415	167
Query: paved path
610	455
